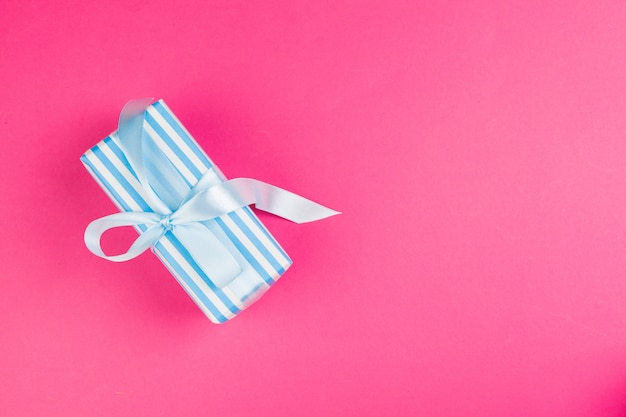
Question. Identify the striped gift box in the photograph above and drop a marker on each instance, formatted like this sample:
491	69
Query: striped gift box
261	258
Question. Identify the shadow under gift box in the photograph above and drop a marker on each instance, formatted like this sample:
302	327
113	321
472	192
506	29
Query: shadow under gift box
170	150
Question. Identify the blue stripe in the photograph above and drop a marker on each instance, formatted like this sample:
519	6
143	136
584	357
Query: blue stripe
106	184
244	251
180	272
182	133
173	146
117	151
121	179
267	234
218	292
166	181
256	242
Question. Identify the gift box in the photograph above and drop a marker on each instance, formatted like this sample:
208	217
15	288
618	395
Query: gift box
243	259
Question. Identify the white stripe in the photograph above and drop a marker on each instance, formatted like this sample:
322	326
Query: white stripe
176	138
245	240
169	153
101	184
263	239
125	172
117	187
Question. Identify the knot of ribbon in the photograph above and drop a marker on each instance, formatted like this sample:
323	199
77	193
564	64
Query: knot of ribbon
206	200
166	223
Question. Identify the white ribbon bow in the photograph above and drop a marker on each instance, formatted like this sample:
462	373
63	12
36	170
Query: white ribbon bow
203	202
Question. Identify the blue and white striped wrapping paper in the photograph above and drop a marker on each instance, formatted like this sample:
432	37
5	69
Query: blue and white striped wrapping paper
261	258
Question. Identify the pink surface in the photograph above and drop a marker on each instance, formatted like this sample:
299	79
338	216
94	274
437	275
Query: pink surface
476	149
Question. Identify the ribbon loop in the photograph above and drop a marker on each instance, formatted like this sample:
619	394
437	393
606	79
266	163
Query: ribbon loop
96	229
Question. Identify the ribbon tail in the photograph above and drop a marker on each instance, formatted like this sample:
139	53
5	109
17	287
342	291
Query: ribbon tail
239	192
96	229
286	204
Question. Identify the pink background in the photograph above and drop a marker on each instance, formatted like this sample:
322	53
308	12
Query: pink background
477	150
